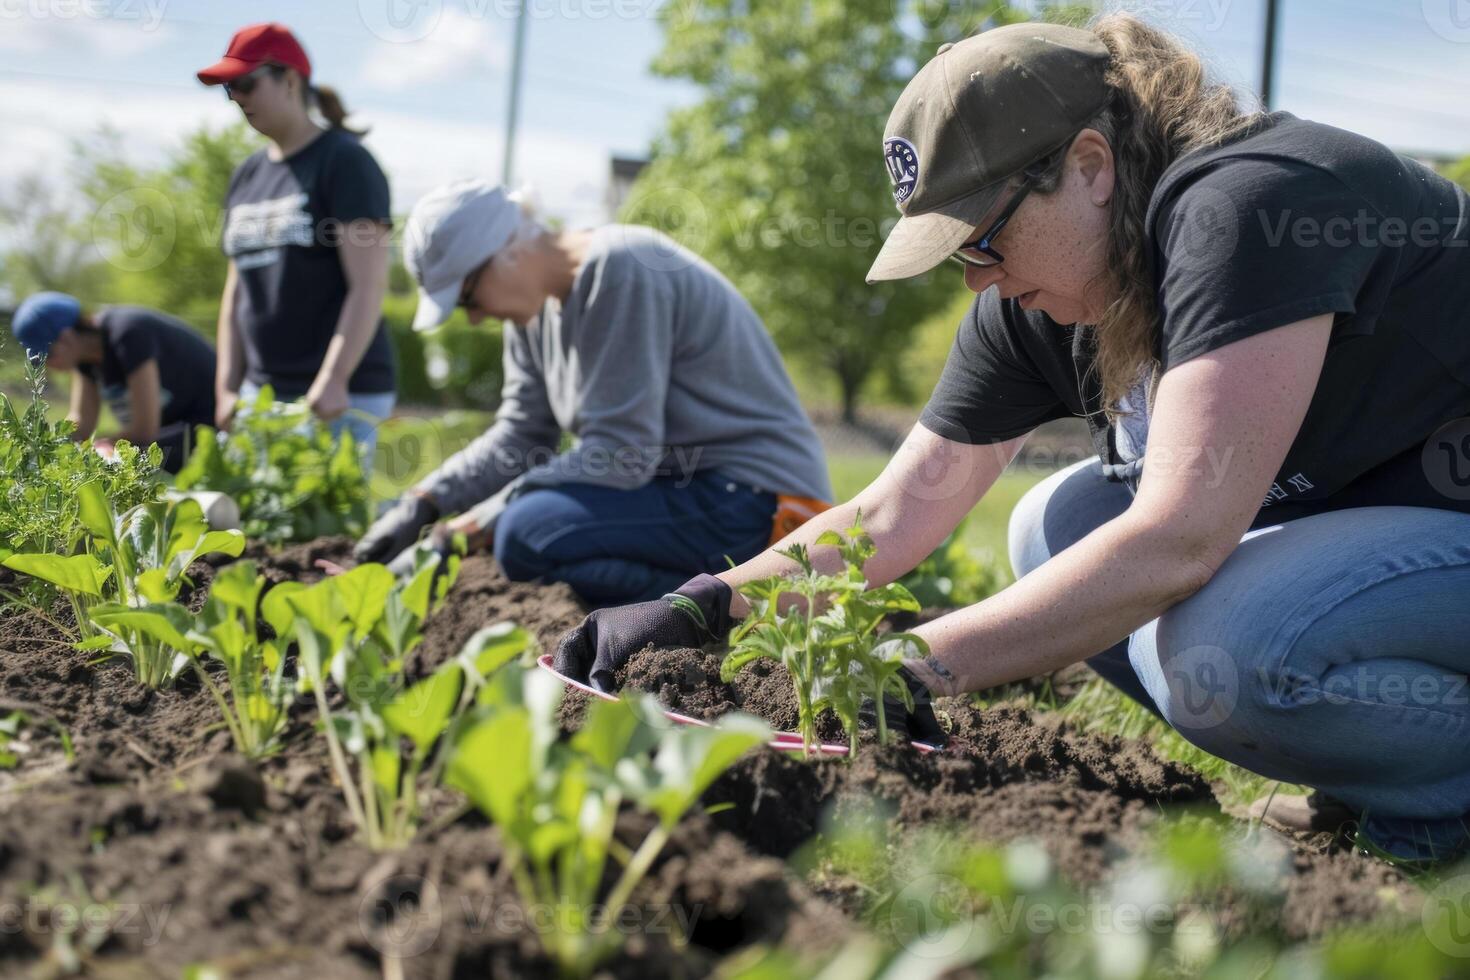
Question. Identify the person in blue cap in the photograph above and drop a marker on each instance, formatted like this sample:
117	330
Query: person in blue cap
155	372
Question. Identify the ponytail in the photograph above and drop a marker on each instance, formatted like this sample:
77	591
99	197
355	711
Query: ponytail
329	104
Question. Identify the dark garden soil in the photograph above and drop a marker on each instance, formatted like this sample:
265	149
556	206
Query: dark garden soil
203	858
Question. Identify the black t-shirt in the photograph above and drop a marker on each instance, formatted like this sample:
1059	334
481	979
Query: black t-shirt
1295	220
133	336
284	221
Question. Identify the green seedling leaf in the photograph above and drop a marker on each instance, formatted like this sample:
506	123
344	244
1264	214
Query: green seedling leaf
165	622
363	591
93	510
422	712
493	647
691	758
612	731
277	607
77	573
154	586
492	764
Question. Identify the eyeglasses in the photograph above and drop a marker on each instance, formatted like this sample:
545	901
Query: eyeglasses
467	292
246	83
963	255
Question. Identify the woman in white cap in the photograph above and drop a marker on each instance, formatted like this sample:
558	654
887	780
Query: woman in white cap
1267	323
690	444
307	221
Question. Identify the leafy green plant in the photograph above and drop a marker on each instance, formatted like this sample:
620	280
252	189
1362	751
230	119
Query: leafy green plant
954	576
827	640
226	630
45	469
123	587
556	801
292	480
388	740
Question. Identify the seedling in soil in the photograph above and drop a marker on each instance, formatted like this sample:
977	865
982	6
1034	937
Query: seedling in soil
255	670
292	479
123	588
556	801
389	739
827	641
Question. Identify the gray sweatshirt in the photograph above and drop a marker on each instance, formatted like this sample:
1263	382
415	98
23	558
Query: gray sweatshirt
658	367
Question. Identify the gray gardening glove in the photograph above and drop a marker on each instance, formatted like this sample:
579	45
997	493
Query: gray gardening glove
397	529
594	651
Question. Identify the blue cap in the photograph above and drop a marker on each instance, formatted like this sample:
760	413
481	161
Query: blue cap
41	318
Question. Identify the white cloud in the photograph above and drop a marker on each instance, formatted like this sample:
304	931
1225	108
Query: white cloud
116	29
459	46
418	152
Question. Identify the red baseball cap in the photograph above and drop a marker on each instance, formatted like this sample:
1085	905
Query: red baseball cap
256	45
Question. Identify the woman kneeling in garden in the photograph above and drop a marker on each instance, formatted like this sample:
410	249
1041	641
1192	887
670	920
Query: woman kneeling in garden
690	440
1266	322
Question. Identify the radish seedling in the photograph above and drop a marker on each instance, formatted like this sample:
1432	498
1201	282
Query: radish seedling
124	587
387	739
827	641
255	670
556	801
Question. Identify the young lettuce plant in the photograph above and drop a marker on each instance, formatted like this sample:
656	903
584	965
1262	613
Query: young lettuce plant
123	588
827	639
225	630
388	741
556	801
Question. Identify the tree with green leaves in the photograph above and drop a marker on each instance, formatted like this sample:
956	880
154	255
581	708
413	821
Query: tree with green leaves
158	228
776	175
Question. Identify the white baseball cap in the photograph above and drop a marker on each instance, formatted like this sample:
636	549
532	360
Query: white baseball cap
450	232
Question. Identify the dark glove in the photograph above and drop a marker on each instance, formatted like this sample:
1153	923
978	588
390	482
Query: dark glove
596	649
918	725
398	528
439	541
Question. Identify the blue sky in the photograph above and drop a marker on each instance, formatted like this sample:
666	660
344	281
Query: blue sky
430	76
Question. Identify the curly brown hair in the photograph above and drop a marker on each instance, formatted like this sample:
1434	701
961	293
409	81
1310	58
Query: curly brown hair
1161	105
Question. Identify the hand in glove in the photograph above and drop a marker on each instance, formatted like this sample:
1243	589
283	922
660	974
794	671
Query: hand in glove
690	616
397	529
905	724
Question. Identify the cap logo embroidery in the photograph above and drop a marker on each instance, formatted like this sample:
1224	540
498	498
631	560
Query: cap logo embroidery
903	167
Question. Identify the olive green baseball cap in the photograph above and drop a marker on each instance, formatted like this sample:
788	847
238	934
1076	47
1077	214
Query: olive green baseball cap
979	112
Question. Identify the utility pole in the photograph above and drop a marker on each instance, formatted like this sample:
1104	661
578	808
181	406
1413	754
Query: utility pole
1268	52
506	170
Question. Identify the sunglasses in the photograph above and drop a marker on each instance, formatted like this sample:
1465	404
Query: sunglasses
978	252
246	83
467	292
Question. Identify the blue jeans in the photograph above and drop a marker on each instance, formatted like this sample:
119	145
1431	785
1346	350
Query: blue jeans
1330	651
377	405
617	546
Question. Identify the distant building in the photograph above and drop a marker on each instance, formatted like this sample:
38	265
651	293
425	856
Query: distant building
622	173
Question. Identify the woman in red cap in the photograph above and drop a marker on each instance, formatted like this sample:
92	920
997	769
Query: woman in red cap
306	232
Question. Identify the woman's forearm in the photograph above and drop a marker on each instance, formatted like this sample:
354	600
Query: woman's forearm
356	325
230	371
1077	604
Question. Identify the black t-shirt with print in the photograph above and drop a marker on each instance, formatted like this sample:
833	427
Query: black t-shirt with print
1295	220
133	336
284	222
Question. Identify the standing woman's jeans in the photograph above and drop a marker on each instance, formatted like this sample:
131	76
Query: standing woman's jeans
618	546
376	405
1330	651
